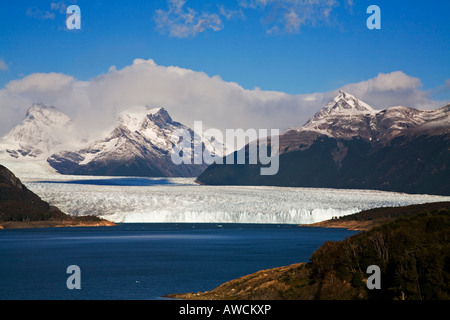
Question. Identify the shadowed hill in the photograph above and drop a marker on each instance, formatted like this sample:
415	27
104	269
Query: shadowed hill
20	207
412	251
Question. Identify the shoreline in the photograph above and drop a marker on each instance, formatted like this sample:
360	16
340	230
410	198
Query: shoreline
258	285
54	224
285	280
349	225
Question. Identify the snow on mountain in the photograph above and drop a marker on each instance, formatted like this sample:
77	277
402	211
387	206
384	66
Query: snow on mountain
139	145
346	116
140	141
344	104
43	131
350	145
134	130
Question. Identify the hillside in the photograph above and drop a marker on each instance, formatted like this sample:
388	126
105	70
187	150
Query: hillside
349	145
367	219
21	208
413	253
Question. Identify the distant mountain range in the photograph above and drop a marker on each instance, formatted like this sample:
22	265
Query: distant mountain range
139	145
348	144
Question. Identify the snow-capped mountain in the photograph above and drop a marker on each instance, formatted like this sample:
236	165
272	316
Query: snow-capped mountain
348	144
44	130
346	116
139	145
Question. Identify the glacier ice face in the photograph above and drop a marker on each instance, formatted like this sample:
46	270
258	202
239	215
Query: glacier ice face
181	200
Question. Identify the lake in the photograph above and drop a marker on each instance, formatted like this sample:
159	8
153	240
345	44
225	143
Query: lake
146	261
173	235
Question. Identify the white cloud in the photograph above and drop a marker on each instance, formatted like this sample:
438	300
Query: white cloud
190	96
39	83
229	13
291	15
253	4
395	88
293	22
35	12
3	65
57	6
181	22
447	84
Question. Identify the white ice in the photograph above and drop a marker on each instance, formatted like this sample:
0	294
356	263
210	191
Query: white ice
185	201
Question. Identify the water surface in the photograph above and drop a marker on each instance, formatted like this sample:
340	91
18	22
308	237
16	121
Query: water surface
147	261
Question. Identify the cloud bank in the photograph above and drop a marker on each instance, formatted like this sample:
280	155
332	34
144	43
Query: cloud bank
190	96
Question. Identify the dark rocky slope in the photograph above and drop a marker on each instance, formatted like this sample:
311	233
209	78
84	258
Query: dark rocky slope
349	145
19	207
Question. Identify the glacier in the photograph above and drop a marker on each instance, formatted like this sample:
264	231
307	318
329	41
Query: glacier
181	200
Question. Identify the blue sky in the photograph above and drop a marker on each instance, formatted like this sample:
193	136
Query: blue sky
414	38
291	46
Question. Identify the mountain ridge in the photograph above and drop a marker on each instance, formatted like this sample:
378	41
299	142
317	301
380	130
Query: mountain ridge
346	116
139	144
352	146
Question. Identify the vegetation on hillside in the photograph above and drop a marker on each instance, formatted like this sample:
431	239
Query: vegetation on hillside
411	165
20	207
413	254
412	251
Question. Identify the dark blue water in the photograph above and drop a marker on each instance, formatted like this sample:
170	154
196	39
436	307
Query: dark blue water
124	182
147	261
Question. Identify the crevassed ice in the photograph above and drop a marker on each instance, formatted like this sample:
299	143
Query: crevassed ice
185	201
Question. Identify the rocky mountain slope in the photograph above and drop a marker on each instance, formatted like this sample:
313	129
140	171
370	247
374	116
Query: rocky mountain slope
140	145
19	207
348	144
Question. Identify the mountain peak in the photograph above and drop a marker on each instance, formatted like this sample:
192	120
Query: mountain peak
161	117
345	115
136	119
344	95
345	102
43	130
41	111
